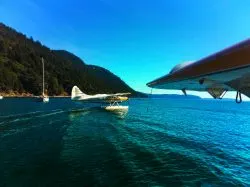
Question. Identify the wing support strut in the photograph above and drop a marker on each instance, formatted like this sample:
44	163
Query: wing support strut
238	98
217	93
184	91
224	93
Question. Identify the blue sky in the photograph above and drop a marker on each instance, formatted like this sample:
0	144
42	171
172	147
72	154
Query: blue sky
137	40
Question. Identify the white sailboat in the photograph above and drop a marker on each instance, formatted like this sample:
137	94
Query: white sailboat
1	97
45	98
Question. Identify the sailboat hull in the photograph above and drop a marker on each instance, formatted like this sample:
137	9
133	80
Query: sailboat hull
45	99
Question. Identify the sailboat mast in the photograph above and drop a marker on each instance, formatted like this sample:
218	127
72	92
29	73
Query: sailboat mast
43	75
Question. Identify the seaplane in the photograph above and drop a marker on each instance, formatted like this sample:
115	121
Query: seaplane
226	70
112	99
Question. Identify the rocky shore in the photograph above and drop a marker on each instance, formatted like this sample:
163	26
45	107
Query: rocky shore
26	94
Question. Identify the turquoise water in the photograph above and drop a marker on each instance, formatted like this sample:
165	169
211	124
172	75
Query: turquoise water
160	142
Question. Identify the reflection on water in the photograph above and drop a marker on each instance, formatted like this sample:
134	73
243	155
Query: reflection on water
120	114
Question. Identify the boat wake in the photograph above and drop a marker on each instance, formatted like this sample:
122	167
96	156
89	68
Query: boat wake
27	116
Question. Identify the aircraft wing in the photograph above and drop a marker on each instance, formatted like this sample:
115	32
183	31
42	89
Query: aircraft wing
227	70
118	94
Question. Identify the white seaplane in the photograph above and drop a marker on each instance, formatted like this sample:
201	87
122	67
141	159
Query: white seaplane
112	99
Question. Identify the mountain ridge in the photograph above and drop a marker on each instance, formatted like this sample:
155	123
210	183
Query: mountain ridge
21	69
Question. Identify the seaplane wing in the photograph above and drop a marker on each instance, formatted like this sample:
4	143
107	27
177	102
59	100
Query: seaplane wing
78	95
227	70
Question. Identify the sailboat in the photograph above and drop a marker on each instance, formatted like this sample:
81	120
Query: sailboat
1	97
45	98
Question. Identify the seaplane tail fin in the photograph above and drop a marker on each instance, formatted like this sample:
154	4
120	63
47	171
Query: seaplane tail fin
77	93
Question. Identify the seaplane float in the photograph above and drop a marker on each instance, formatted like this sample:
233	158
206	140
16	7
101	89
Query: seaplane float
114	100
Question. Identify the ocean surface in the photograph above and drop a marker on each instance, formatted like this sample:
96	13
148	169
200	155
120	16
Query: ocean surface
160	142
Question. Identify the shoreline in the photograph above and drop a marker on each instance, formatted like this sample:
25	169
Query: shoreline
34	96
27	95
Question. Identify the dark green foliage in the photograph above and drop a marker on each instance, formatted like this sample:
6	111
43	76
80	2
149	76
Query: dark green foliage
21	69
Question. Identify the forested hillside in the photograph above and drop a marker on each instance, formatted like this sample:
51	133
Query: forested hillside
21	69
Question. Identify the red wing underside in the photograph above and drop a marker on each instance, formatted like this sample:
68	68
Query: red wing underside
215	84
